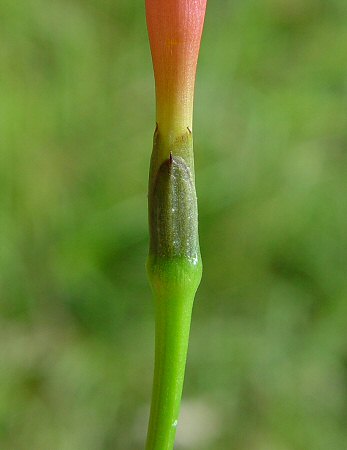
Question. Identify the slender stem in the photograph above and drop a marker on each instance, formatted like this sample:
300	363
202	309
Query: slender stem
173	316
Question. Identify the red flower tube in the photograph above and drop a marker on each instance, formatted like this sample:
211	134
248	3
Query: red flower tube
175	28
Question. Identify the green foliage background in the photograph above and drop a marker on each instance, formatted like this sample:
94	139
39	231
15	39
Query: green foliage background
267	366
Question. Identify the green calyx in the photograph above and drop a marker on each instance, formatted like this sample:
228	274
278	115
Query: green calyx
173	214
174	254
179	145
174	268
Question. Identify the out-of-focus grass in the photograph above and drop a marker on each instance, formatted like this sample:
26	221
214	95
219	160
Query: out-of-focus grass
267	365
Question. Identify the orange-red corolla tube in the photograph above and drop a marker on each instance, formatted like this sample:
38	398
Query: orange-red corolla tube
175	28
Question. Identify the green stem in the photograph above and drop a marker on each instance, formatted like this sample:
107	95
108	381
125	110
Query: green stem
172	317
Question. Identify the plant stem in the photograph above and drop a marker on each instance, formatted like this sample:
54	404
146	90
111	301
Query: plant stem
174	269
172	317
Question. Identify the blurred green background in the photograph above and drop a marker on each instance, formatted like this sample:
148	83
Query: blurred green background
267	367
